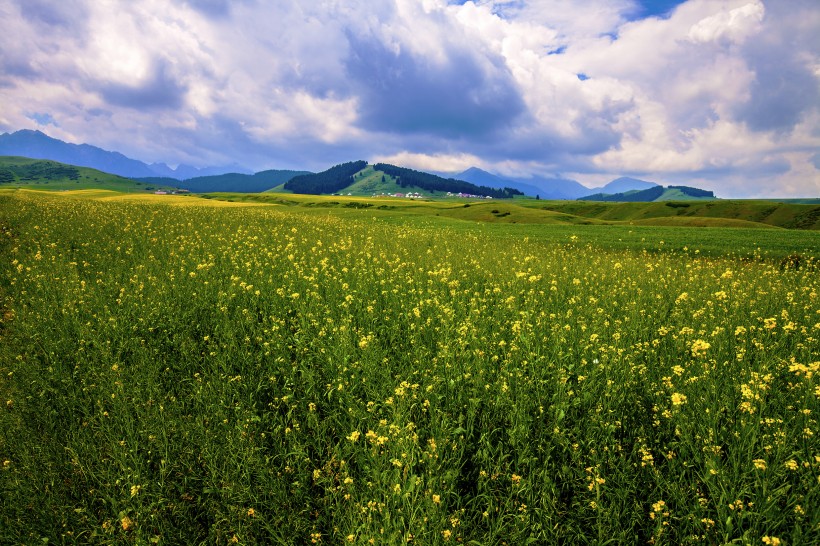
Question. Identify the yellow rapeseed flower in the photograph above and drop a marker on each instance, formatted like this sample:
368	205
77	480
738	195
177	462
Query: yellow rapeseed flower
699	347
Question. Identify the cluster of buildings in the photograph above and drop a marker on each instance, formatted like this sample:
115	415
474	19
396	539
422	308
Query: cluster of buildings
411	195
468	195
172	192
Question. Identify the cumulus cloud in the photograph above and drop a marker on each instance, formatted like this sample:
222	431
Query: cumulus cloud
723	92
784	60
733	25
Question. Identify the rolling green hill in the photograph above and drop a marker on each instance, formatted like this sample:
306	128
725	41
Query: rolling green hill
52	175
711	213
359	178
369	181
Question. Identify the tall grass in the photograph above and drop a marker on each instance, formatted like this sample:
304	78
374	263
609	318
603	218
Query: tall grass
247	375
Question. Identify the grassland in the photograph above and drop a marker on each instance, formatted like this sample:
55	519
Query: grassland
303	371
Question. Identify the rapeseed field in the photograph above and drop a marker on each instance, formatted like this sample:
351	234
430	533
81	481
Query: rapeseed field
254	375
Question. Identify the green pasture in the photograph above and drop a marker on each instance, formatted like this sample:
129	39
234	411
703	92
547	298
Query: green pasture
301	370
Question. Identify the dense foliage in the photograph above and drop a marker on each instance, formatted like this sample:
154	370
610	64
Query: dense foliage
430	182
693	192
330	181
647	195
255	375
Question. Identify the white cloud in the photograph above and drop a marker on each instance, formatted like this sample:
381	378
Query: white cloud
719	90
735	25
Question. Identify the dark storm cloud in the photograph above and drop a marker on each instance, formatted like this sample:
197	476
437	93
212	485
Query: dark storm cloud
593	133
212	8
230	142
404	93
783	90
11	68
160	91
785	86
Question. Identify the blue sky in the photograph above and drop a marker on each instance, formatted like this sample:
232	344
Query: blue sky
721	94
656	8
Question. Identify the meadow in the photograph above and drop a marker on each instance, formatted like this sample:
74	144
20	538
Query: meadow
173	371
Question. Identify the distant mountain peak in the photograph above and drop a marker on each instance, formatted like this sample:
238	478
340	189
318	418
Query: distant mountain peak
474	170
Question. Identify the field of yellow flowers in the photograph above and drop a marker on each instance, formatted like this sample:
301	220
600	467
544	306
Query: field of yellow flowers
254	375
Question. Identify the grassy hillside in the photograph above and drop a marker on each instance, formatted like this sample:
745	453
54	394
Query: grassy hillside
369	182
52	175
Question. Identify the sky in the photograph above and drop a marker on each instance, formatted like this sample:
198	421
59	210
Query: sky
719	94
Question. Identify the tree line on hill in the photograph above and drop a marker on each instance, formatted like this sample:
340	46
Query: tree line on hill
39	170
430	182
693	192
330	181
647	195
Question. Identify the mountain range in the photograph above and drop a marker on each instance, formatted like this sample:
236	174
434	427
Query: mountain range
38	145
552	188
